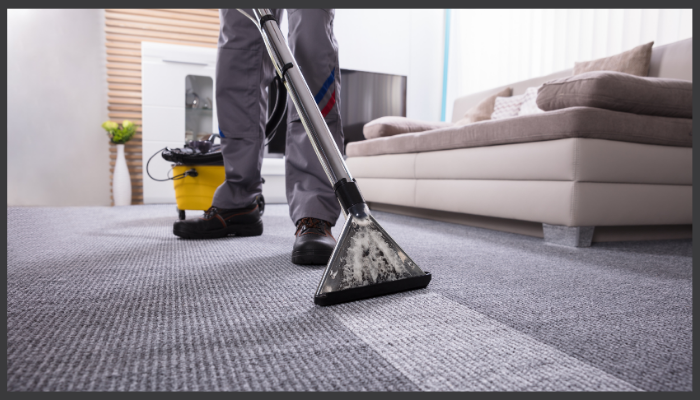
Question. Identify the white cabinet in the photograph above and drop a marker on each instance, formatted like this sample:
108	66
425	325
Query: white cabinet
163	124
164	70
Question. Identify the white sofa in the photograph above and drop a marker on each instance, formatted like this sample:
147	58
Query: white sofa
570	191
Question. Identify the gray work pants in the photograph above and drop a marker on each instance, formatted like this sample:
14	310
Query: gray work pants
243	71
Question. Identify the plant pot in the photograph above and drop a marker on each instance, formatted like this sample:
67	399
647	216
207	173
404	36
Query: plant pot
121	180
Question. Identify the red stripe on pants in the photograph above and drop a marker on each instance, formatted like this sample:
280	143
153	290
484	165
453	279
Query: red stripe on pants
329	105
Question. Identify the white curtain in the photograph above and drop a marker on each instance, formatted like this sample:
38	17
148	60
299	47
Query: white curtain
490	48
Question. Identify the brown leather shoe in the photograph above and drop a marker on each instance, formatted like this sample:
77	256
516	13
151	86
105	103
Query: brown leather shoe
218	223
314	243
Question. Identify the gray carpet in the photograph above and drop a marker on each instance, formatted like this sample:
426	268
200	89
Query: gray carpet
108	299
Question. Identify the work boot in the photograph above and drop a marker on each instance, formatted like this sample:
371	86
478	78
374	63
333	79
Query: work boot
314	243
218	222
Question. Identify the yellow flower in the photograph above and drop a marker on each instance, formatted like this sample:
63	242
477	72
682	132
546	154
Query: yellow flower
110	126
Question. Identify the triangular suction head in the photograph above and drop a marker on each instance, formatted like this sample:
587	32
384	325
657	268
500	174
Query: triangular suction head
367	262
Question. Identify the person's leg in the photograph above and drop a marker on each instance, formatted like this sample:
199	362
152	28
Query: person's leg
243	71
315	49
313	206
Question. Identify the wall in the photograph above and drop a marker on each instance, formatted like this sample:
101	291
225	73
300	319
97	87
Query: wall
56	102
402	42
426	54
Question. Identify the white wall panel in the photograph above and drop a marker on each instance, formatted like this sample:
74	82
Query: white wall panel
57	153
373	40
426	54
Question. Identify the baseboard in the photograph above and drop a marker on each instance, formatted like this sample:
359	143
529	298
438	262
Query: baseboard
601	233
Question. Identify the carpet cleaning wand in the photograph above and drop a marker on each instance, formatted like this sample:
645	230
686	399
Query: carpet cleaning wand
366	261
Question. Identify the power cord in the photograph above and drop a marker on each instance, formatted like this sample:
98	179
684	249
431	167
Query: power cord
190	172
249	17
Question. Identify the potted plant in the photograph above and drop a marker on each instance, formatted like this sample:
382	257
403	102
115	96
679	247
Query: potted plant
121	180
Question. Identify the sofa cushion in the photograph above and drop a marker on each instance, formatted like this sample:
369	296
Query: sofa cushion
635	62
552	202
573	159
390	126
483	110
619	92
584	122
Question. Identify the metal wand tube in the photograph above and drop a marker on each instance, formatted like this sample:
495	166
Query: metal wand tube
286	66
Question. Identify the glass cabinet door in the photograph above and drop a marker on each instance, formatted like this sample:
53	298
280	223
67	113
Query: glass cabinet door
199	93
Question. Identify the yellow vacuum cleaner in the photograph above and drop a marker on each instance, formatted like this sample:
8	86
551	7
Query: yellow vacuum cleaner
197	170
196	191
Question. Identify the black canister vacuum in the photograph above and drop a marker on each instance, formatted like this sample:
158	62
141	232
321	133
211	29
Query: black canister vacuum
366	261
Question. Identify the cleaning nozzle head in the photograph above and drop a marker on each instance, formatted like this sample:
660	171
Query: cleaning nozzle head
367	262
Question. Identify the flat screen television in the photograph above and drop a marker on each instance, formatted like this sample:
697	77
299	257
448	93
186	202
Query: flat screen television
364	96
369	95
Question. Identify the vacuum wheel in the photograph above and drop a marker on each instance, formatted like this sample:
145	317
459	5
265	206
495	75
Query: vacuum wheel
180	214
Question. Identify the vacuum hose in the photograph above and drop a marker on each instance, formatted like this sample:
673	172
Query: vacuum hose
280	98
278	112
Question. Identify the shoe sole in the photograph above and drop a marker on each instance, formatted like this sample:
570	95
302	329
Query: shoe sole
311	257
255	229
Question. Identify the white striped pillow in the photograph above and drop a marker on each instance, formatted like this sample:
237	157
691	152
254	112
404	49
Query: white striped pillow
507	107
529	105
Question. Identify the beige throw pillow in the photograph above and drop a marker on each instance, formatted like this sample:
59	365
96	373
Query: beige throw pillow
484	109
390	126
633	62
